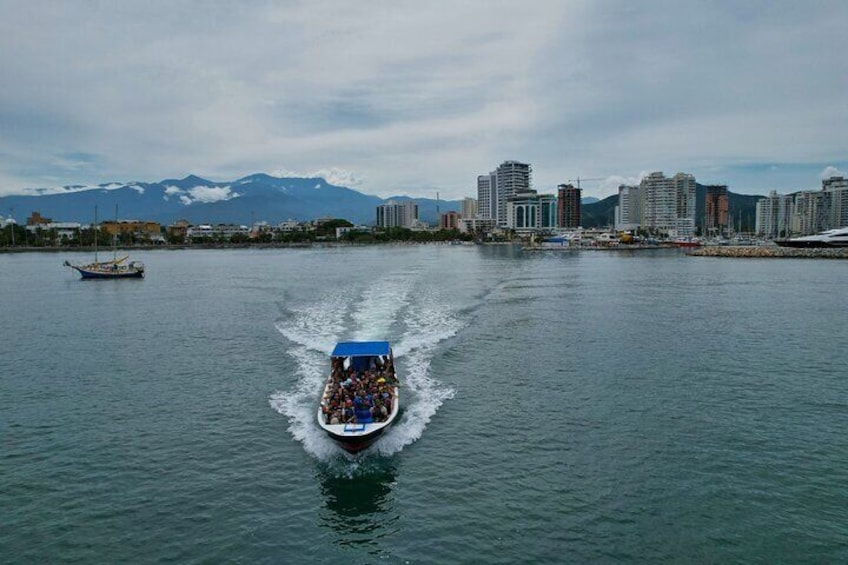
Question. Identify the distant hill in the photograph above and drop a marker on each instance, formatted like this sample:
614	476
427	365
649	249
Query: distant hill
743	208
257	197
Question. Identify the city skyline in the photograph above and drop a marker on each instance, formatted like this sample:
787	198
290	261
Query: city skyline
403	100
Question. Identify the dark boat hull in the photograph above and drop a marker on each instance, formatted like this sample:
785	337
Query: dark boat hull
100	275
807	244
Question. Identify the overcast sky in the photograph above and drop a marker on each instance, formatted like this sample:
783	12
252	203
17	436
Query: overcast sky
414	97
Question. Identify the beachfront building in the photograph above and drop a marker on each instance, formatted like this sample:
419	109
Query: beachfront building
668	204
527	212
478	226
448	220
36	223
468	208
628	211
495	189
216	232
836	189
135	228
398	214
568	206
59	230
716	209
773	215
809	213
487	197
513	178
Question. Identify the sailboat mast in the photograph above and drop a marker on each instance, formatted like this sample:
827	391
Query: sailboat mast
95	234
115	238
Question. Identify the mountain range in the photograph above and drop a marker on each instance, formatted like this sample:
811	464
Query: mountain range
262	197
252	198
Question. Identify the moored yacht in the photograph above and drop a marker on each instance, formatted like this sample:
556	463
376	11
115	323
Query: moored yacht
830	238
360	398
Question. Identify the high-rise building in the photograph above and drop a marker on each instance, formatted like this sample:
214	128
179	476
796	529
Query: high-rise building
469	208
496	188
659	203
393	214
685	187
568	206
837	189
628	212
716	208
773	215
810	212
668	204
487	197
512	177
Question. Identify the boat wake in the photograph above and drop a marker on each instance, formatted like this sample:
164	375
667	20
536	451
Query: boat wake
416	323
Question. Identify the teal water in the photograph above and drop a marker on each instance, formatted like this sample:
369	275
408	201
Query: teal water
559	408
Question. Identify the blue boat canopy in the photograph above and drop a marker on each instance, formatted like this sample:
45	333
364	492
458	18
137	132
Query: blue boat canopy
361	348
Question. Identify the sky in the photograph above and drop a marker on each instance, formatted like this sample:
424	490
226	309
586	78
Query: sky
410	97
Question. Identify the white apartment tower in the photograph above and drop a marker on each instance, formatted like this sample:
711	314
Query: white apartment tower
668	204
628	212
774	213
685	187
468	208
512	177
397	214
836	189
487	197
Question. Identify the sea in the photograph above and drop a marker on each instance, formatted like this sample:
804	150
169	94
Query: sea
558	407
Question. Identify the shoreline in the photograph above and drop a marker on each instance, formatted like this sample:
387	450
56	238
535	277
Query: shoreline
736	252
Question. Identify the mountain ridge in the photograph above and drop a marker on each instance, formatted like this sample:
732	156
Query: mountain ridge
255	197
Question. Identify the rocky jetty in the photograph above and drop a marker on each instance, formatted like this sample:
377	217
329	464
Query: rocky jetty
770	251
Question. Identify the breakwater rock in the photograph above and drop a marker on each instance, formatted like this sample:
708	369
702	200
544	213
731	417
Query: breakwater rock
770	251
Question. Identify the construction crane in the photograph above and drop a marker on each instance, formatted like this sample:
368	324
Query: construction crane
591	179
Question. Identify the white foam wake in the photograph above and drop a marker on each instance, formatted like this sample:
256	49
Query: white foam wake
427	325
377	310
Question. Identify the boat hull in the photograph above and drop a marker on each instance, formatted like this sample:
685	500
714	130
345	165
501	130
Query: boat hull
109	270
357	443
809	244
86	274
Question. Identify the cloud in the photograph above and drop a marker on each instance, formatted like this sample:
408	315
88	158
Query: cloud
203	194
395	97
208	194
831	171
334	176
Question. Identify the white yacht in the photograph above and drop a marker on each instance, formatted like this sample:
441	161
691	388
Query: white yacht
830	238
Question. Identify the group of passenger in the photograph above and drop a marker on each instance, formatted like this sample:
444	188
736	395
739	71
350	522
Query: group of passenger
360	393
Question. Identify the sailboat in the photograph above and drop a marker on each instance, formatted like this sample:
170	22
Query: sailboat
114	268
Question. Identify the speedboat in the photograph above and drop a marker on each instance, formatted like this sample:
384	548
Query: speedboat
830	238
360	398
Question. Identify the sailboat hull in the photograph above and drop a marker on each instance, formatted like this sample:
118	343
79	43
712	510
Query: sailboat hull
90	274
